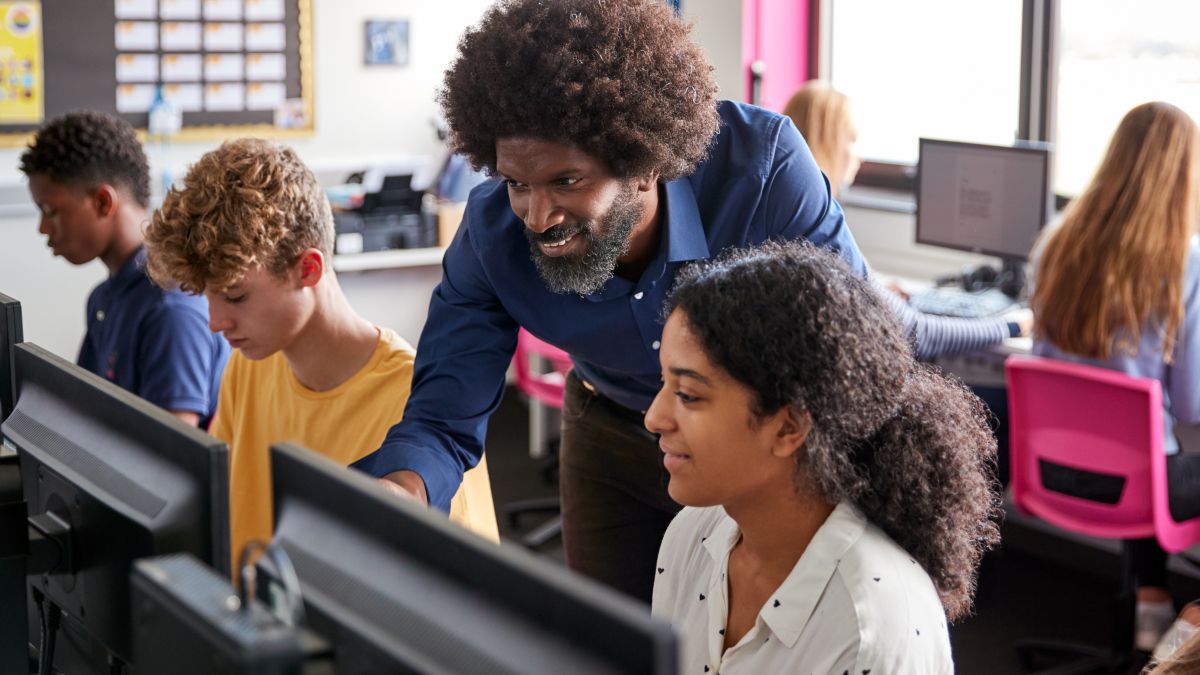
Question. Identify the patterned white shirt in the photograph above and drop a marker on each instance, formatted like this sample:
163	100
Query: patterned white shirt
855	603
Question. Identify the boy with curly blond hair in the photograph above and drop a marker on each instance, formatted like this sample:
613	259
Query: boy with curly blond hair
252	231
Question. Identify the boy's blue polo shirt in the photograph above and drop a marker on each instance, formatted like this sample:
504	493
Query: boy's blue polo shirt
154	343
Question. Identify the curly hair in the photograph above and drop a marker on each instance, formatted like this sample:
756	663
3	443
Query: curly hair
87	148
248	203
910	448
620	79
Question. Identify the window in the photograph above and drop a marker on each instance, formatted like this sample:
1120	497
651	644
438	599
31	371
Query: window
936	68
1114	55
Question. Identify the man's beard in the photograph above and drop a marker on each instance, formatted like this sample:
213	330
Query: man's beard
604	244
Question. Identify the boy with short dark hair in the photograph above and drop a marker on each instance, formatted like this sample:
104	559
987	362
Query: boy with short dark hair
90	179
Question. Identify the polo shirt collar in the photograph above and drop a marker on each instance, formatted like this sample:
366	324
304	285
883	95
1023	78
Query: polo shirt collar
133	269
789	608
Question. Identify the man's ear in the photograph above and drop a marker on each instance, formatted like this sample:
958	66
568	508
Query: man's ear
104	200
310	267
648	182
794	428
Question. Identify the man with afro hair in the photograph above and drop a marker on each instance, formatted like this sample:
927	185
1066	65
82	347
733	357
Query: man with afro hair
615	165
90	180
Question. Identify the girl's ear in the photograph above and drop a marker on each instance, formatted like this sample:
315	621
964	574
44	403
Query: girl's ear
794	429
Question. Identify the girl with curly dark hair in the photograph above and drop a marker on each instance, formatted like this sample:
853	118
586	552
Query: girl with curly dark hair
841	494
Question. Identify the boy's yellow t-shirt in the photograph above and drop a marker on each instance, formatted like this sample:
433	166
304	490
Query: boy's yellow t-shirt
262	402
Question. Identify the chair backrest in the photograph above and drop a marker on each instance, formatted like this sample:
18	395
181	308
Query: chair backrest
545	387
1098	421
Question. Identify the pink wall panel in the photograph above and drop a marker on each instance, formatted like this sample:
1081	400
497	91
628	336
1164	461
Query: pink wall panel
776	32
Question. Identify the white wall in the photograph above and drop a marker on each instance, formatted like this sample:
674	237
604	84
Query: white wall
717	27
362	114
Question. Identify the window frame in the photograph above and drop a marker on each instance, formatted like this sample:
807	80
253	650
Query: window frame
1036	104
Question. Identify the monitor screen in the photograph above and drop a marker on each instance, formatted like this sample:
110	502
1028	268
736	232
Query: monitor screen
396	588
982	198
116	479
10	334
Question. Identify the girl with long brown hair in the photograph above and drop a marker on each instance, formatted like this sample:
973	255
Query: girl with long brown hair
1118	286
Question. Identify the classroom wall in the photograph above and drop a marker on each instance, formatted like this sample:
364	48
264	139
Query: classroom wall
367	114
716	25
362	115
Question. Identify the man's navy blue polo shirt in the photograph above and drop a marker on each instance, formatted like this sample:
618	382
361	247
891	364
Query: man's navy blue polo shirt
759	182
154	343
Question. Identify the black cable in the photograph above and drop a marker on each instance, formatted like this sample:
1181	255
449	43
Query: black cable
51	617
248	578
45	628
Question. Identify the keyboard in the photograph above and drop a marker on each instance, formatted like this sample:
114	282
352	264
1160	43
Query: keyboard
960	303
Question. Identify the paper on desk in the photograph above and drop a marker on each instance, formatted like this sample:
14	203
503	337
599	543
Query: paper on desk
180	36
223	67
264	10
135	9
264	95
266	37
134	98
223	10
181	68
188	97
179	9
224	97
137	67
223	37
137	35
265	67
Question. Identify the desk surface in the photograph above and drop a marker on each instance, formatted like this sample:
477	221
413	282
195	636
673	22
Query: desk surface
382	260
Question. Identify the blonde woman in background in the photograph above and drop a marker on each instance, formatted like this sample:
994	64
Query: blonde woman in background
822	115
1118	286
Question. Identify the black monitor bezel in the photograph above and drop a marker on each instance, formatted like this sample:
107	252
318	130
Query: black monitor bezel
11	334
1041	150
408	529
185	448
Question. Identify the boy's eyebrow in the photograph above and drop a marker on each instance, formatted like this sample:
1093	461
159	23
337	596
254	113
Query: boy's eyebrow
688	372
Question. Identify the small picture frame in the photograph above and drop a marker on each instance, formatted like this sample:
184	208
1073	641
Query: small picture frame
386	43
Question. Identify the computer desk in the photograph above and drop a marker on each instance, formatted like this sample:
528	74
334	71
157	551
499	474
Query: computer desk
984	367
979	368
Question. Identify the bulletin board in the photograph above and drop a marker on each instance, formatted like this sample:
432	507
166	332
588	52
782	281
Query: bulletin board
233	67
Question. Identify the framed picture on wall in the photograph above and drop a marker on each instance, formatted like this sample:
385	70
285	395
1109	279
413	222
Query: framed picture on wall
386	43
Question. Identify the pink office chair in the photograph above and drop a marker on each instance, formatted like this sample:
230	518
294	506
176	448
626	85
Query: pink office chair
547	388
1102	430
542	389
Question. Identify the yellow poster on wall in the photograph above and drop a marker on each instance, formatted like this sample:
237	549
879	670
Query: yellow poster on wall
21	78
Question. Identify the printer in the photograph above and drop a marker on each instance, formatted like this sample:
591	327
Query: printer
381	209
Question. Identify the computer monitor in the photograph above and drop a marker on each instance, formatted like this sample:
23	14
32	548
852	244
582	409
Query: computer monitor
10	334
108	478
398	589
987	199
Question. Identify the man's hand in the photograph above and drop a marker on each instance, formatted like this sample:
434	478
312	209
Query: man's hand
406	484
